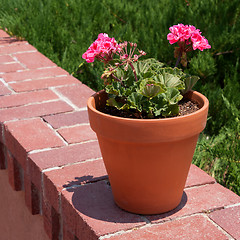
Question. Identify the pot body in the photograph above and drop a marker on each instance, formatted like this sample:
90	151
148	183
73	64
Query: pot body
148	160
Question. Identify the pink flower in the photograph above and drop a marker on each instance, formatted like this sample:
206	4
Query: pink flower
180	32
187	34
199	42
102	48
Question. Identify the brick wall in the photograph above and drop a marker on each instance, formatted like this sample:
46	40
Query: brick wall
16	222
53	159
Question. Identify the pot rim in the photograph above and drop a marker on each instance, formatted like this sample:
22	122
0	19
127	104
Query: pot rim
191	92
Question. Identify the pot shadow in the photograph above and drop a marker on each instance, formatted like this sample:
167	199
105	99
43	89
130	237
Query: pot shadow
83	180
94	200
7	40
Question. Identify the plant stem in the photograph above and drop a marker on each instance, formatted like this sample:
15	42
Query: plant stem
134	71
178	59
117	79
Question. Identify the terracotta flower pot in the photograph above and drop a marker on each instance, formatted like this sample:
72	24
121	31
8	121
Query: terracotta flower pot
147	160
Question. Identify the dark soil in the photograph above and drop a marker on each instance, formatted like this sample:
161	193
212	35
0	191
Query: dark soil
185	107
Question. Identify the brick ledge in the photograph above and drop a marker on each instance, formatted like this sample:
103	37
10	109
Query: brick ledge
51	154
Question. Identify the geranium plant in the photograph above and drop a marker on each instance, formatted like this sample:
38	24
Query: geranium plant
146	88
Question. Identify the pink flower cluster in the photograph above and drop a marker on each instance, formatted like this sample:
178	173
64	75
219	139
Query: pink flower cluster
188	34
102	48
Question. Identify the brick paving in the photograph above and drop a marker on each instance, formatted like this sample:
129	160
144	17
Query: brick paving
51	154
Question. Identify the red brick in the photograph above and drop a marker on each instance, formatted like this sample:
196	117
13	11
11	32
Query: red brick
77	174
16	149
67	119
229	220
1	133
35	174
197	177
3	34
66	155
34	74
200	199
195	227
51	221
14	46
6	59
37	162
15	100
46	212
6	42
4	90
77	134
32	196
3	161
34	110
43	83
67	234
10	67
78	94
90	211
15	172
32	134
34	60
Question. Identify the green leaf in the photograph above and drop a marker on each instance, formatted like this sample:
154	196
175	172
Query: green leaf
135	100
160	104
144	67
156	93
149	88
172	110
170	80
189	83
174	71
121	74
119	105
113	103
173	95
116	88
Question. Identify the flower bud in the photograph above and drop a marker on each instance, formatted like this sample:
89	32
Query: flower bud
135	57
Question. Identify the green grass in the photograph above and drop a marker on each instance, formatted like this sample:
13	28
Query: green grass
219	155
64	29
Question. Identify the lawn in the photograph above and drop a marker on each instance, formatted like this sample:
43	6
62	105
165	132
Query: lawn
63	30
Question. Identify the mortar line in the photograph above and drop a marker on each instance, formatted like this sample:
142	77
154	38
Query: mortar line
16	59
59	147
6	85
233	205
73	126
7	63
106	236
56	132
221	229
19	52
65	99
31	104
37	79
70	164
